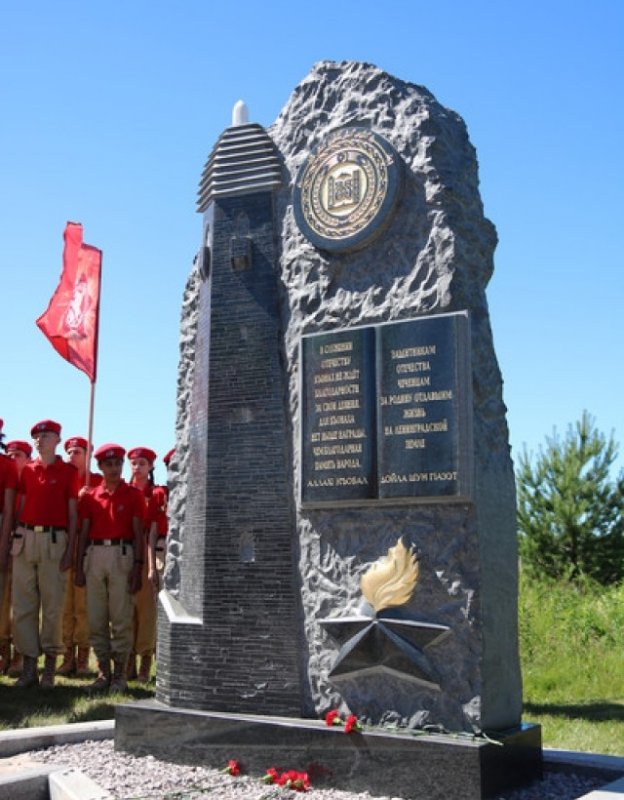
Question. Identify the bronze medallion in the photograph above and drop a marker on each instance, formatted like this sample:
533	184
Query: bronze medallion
347	189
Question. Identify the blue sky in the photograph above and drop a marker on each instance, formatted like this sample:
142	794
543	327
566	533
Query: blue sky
109	111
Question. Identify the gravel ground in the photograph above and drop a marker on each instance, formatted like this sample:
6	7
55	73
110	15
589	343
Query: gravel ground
128	777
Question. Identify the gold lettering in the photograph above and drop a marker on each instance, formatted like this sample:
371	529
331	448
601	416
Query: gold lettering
336	347
327	464
352	480
315	484
351	433
337	449
414	352
428	397
406	383
421	427
393	477
395	399
332	363
348	463
415	444
337	419
414	413
337	391
336	377
416	477
413	366
347	405
443	476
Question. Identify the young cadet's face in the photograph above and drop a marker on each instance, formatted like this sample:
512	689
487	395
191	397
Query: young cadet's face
46	442
20	459
111	469
78	457
140	468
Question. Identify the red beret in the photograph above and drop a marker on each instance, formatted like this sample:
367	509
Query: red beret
168	456
16	444
109	451
142	452
46	425
75	441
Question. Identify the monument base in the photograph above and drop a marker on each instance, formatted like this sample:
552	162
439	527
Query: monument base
407	765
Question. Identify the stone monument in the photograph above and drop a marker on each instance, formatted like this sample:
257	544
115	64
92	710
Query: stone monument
343	506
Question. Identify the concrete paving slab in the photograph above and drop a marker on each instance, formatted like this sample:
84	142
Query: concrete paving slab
71	784
612	791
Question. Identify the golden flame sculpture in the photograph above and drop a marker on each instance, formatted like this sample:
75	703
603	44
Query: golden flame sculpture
391	580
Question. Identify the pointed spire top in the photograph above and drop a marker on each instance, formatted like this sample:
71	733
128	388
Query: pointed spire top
240	114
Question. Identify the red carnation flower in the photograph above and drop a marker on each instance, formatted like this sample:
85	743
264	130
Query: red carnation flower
351	724
271	775
233	767
332	718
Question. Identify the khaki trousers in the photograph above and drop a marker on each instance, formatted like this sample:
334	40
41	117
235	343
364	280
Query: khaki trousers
109	602
75	626
5	606
38	585
145	612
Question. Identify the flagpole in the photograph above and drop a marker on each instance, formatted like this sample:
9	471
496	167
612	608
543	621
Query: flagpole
90	434
96	347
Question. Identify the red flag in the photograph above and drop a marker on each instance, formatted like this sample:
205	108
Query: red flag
72	317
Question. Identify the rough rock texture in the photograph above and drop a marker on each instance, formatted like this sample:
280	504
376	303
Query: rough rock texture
178	466
436	256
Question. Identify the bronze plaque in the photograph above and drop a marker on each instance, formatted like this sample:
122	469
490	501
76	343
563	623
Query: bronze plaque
347	189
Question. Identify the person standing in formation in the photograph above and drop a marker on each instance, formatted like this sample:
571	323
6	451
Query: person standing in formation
142	464
20	453
8	487
75	629
42	549
11	664
109	563
159	526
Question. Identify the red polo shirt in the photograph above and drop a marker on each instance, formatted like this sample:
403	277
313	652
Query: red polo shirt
157	510
47	490
95	479
111	513
8	477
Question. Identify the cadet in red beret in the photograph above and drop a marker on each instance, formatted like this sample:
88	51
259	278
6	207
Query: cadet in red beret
8	488
110	561
19	452
42	549
19	446
159	525
145	606
75	626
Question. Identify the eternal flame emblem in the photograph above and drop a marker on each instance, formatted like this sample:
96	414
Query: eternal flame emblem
388	642
347	189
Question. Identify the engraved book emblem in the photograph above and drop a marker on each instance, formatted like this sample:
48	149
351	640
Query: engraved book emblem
347	190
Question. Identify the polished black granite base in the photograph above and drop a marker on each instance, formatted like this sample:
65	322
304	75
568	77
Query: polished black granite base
415	767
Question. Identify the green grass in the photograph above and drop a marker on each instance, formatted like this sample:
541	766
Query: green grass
68	701
572	651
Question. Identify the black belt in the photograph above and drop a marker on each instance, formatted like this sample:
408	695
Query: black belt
110	542
42	528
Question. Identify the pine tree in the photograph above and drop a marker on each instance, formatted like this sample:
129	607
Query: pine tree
570	510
